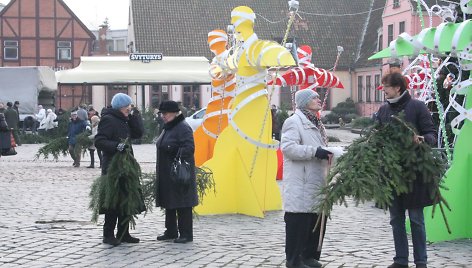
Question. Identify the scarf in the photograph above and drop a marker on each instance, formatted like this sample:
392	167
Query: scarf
317	122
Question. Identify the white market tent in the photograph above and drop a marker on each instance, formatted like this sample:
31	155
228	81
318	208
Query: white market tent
122	70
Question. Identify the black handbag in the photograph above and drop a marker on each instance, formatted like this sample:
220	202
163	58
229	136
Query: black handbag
181	171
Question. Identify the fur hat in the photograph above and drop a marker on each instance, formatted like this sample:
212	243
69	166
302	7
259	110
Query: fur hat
302	97
169	106
120	100
94	119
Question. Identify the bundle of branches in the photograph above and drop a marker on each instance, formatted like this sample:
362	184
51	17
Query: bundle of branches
120	189
384	162
59	146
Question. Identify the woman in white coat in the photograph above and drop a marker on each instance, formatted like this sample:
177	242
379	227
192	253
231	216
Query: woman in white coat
305	170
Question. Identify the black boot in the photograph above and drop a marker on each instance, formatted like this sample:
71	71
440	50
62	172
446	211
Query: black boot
123	231
109	230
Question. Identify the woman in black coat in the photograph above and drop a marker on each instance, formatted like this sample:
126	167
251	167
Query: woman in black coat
116	125
178	201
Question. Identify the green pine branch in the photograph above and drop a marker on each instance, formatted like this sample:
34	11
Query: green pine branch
384	162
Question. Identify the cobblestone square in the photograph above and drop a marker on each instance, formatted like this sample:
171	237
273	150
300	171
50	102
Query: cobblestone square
45	222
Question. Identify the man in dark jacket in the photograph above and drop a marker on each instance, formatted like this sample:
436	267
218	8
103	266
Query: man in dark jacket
16	106
12	120
116	125
76	126
416	113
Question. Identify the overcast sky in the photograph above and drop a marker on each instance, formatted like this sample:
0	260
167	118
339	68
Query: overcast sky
93	12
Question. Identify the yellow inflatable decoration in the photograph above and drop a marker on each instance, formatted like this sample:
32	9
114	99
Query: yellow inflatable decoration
244	161
223	84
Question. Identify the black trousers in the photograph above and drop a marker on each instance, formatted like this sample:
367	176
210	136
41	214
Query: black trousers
300	240
185	222
110	223
92	156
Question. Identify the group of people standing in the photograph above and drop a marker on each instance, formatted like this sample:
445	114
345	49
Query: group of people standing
306	163
11	116
82	120
121	122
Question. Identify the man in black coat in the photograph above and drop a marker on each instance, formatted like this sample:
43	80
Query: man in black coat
416	113
116	125
12	120
177	200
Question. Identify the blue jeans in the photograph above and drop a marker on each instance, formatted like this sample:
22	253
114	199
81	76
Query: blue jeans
418	233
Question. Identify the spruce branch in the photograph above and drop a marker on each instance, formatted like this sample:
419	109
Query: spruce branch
381	164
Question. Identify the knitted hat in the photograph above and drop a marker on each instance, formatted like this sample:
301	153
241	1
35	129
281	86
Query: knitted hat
302	97
73	113
120	100
169	107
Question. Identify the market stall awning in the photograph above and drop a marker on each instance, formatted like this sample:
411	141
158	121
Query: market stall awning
122	70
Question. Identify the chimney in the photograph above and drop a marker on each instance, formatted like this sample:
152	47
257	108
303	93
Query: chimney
102	38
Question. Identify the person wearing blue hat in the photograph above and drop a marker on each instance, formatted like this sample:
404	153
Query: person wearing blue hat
116	125
305	167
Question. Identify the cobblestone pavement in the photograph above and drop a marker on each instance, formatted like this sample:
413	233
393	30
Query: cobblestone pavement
44	222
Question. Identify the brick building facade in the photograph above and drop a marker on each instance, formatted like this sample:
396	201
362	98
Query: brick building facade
45	33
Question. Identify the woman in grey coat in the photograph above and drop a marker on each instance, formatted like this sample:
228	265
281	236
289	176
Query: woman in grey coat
305	170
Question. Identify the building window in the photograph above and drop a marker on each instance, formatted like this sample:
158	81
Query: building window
10	50
120	45
64	51
390	34
396	3
359	88
401	27
367	88
191	97
159	93
378	93
110	45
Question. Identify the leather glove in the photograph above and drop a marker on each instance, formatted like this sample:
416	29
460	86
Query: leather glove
121	147
322	153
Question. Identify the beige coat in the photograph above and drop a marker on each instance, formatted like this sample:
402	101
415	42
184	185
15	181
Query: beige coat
304	174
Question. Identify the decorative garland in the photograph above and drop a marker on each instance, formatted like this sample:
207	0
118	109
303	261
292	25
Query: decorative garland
384	162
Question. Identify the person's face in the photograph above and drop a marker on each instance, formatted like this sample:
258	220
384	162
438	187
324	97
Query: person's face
391	92
168	116
314	105
73	117
126	110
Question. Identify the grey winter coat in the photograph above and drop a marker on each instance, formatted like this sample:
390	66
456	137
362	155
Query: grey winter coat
304	174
